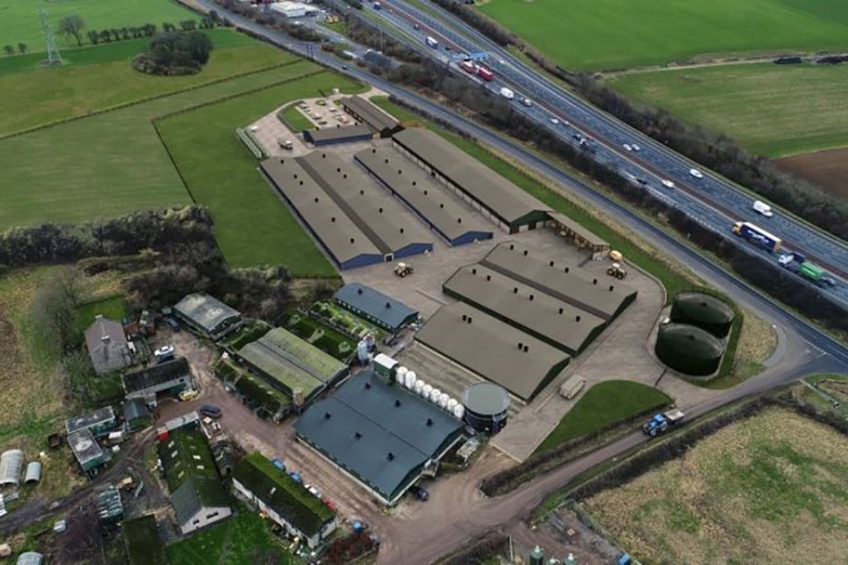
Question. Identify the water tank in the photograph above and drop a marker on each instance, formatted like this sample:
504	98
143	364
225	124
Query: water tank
418	386
410	379
703	311
435	394
688	349
400	375
362	352
443	400
426	390
452	404
486	406
459	411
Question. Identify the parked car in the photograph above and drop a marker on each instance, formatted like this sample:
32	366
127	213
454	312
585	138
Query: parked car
189	394
211	410
419	492
164	353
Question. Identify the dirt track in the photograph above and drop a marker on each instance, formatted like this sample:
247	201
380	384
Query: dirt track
828	169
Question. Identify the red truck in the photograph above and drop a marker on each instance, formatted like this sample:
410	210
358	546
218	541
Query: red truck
485	74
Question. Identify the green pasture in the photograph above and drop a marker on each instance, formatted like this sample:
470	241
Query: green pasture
773	110
620	34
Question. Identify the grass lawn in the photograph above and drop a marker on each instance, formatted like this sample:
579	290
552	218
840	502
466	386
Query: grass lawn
19	18
763	490
114	163
603	405
252	225
672	281
294	119
619	34
112	308
240	540
321	336
773	110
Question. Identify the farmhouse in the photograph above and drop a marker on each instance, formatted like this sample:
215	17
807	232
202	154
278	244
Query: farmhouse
378	308
364	111
107	345
493	349
383	436
197	495
283	500
208	316
170	378
502	201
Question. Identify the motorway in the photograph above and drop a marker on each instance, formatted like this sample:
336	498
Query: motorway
429	532
712	200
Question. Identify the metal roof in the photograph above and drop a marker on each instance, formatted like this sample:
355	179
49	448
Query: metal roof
33	472
84	446
569	283
107	345
338	134
341	236
490	348
11	463
500	196
371	208
485	399
435	202
205	311
371	114
100	416
391	313
30	558
580	231
382	434
134	408
156	375
545	317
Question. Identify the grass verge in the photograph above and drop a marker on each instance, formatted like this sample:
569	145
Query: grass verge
294	119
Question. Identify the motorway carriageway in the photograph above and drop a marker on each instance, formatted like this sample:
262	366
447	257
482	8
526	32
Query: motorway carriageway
711	201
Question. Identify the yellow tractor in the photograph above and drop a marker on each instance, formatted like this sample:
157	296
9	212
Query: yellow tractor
403	269
616	269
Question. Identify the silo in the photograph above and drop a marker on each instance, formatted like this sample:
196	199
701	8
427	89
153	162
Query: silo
426	390
410	380
419	386
703	311
485	406
400	375
459	411
452	404
434	395
443	400
689	350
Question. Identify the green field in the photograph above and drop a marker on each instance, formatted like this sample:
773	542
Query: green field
294	119
619	34
773	110
240	540
19	18
603	405
769	489
252	225
114	163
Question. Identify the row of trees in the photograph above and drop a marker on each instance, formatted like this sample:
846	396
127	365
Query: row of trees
10	49
74	26
175	53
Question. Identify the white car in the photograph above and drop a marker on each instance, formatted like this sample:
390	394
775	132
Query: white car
527	102
667	183
763	208
507	93
164	351
696	173
635	147
555	121
627	147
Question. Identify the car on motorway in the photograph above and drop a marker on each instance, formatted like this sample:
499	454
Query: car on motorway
696	173
667	183
763	208
211	410
507	93
635	147
555	121
627	147
526	101
344	67
416	27
419	492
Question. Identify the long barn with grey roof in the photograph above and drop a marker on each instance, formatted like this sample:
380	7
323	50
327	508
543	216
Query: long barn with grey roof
544	317
364	111
441	210
338	134
493	349
382	435
507	204
376	307
605	299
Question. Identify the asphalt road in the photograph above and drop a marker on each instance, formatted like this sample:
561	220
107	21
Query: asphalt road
711	200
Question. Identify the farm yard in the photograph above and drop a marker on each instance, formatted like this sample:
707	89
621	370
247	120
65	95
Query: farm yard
773	110
619	34
766	489
19	18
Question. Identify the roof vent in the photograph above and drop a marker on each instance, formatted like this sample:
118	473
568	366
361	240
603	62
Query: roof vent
390	456
327	415
425	193
429	422
362	192
344	176
316	200
594	281
525	253
323	155
512	246
560	310
351	240
464	317
526	348
488	277
282	161
520	345
612	287
295	175
332	219
387	161
459	220
358	291
338	169
469	319
577	318
300	183
367	386
566	269
388	304
531	298
515	290
551	263
380	210
400	172
357	435
473	271
397	402
414	183
441	205
401	230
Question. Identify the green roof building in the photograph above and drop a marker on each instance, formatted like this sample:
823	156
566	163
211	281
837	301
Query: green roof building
283	500
197	495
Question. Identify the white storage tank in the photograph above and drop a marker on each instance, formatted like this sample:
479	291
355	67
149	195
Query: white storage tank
400	375
426	390
443	400
419	385
434	395
362	352
452	402
459	411
410	379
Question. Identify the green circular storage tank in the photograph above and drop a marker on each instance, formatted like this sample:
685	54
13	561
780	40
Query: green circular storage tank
704	311
688	349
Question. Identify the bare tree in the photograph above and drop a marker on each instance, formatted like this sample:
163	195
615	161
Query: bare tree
72	25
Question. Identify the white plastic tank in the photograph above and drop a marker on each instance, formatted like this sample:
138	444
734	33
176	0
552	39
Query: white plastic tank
443	400
459	411
362	351
435	394
452	402
400	375
410	379
419	385
426	390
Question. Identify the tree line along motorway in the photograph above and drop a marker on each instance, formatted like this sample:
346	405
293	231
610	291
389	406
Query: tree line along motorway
711	200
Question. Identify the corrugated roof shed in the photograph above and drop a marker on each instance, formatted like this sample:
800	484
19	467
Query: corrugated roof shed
11	464
30	558
330	225
338	134
439	207
547	318
100	417
381	434
604	298
205	311
156	375
107	345
384	310
493	349
33	472
499	196
374	211
370	114
281	493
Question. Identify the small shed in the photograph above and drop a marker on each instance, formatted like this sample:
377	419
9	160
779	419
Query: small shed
33	473
30	558
11	464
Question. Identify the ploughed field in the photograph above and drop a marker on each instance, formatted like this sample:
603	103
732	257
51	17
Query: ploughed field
828	169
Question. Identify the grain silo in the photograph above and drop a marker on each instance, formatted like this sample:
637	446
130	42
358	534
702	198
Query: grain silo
688	349
704	311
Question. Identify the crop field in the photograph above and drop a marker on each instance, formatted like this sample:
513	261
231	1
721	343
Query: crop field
828	169
773	110
764	490
620	34
252	225
603	405
112	163
19	18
